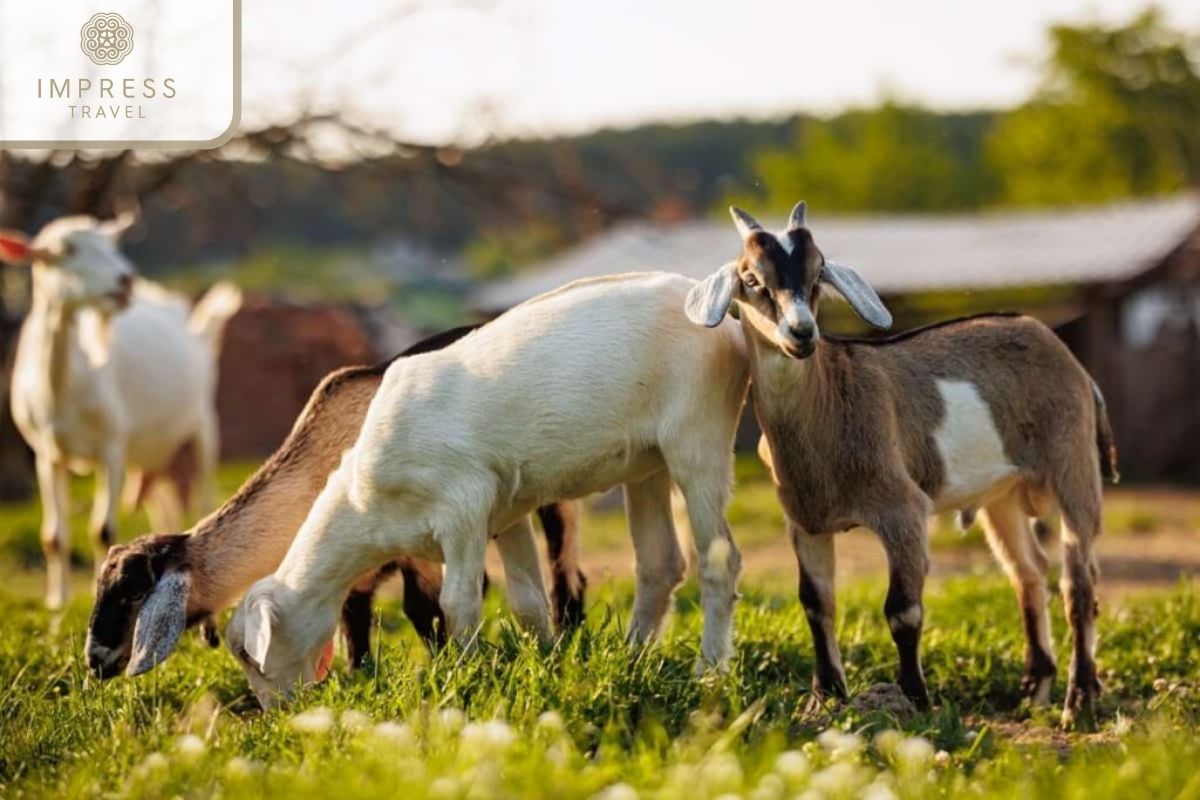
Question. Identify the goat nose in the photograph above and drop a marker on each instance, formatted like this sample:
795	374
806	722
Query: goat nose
96	664
803	332
126	281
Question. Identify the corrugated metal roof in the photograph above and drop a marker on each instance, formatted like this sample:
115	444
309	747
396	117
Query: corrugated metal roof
900	253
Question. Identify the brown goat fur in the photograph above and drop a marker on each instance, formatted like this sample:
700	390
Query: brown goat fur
858	432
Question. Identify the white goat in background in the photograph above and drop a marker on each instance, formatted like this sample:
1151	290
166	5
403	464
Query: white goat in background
111	374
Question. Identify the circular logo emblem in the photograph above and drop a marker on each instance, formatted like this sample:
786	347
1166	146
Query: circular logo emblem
106	38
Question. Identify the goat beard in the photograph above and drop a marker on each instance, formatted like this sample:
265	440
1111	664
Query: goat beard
324	661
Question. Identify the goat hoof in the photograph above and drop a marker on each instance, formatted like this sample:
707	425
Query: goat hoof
916	691
705	666
1079	710
818	703
208	631
824	695
1036	689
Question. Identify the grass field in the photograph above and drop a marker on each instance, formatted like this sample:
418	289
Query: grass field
591	717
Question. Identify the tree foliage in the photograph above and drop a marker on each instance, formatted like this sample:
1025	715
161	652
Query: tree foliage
1117	115
895	157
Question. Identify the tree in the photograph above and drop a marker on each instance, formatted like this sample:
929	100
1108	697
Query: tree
1117	115
892	158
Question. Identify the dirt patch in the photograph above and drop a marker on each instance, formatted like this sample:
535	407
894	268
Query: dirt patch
1129	562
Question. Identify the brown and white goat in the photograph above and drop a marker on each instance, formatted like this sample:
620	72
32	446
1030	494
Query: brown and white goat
989	412
151	589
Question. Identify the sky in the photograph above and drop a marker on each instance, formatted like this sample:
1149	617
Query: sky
461	70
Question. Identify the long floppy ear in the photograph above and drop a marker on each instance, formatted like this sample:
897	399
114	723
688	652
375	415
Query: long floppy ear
160	623
708	301
858	293
119	225
14	247
799	217
260	619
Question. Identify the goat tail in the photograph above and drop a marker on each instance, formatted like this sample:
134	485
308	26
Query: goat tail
213	312
1104	439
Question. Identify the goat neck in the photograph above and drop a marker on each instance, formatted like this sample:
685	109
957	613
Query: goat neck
52	321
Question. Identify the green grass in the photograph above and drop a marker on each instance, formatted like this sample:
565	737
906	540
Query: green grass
511	720
592	717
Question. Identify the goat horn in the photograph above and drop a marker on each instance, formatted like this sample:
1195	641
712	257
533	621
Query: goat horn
745	223
799	217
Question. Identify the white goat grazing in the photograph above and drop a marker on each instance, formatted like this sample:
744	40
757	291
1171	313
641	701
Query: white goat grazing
111	374
601	382
150	590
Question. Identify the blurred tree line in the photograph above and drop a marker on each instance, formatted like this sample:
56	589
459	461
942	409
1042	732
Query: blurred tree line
1117	115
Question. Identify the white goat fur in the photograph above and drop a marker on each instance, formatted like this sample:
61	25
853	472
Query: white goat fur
598	383
97	387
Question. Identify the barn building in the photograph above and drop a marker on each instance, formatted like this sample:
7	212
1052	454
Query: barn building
1119	283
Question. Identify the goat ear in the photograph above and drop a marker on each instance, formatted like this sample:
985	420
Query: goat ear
260	619
14	247
858	293
746	224
160	623
799	216
119	225
708	301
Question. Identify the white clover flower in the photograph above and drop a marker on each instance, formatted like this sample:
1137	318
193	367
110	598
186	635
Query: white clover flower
484	780
839	743
452	720
618	791
841	778
941	758
558	753
316	721
238	767
189	747
878	791
355	720
721	772
492	736
155	761
886	741
793	766
551	721
770	787
443	787
395	733
914	751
